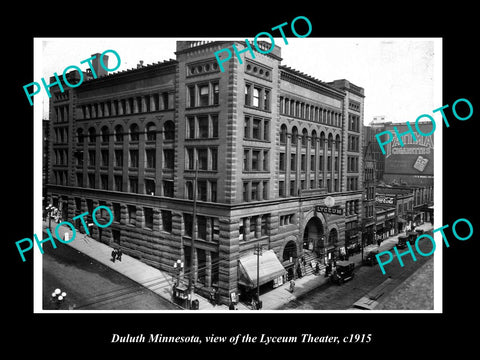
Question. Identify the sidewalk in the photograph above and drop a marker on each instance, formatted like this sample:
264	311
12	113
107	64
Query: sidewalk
278	297
160	282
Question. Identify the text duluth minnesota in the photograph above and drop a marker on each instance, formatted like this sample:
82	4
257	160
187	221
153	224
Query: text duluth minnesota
160	338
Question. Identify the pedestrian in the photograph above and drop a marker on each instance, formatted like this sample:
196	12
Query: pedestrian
231	306
119	254
292	286
317	268
114	254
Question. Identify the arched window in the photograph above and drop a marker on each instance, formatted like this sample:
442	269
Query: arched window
151	131
322	139
337	142
91	134
330	140
314	138
294	135
283	134
105	134
118	133
304	137
169	130
134	132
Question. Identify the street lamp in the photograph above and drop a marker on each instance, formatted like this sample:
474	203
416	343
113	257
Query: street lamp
178	265
58	297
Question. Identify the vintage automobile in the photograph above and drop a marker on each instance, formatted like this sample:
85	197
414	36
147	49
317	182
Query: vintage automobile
342	272
370	259
402	242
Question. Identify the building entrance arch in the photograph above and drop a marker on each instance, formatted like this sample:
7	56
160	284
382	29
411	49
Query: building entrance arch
313	235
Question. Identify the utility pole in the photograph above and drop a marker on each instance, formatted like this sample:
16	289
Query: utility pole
194	235
258	252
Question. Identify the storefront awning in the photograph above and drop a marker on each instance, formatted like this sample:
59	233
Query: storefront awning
401	220
269	269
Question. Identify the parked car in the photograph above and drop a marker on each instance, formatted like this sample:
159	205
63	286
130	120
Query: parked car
402	242
370	259
343	272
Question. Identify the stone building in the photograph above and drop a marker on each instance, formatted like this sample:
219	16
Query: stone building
278	155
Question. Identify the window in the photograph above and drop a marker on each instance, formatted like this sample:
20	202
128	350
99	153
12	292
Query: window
118	182
215	94
91	157
166	104
191	93
118	158
190	165
246	155
203	126
265	190
266	100
281	188
264	223
282	162
104	155
188	222
168	155
148	215
133	184
214	126
202	227
167	221
293	162
150	156
133	158
256	97
254	191
213	191
134	132
283	134
151	132
202	159
203	98
214	155
116	212
132	214
105	136
253	224
248	90
191	127
104	182
118	133
245	191
168	188
265	160
169	130
256	129
255	160
150	186
202	190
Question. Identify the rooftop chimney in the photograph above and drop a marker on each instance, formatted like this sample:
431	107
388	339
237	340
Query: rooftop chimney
99	70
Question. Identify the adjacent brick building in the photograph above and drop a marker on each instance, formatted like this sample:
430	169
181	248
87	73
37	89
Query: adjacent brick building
271	145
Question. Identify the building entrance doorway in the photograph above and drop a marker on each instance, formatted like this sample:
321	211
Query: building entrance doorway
312	235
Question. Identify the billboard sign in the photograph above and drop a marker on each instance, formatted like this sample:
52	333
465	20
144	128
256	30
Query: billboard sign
414	157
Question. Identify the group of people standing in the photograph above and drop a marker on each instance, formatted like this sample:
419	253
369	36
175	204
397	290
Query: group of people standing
117	254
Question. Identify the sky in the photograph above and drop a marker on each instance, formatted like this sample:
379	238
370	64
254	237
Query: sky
401	76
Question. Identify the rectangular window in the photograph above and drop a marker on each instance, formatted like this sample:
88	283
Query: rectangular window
203	92
91	180
246	154
202	159
245	191
256	129
265	190
168	188
213	191
168	155
216	92
253	224
266	100
214	155
281	188
254	191
150	186
202	227
303	164
266	130
190	165
167	221
188	222
132	214
118	182
133	184
202	190
293	162
246	129
203	127
150	156
191	95
265	160
264	222
255	160
133	158
191	127
104	182
248	90
104	154
148	214
116	212
91	157
256	97
282	162
119	158
214	126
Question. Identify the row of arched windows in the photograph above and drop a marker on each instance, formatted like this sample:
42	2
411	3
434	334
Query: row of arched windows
133	132
305	136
